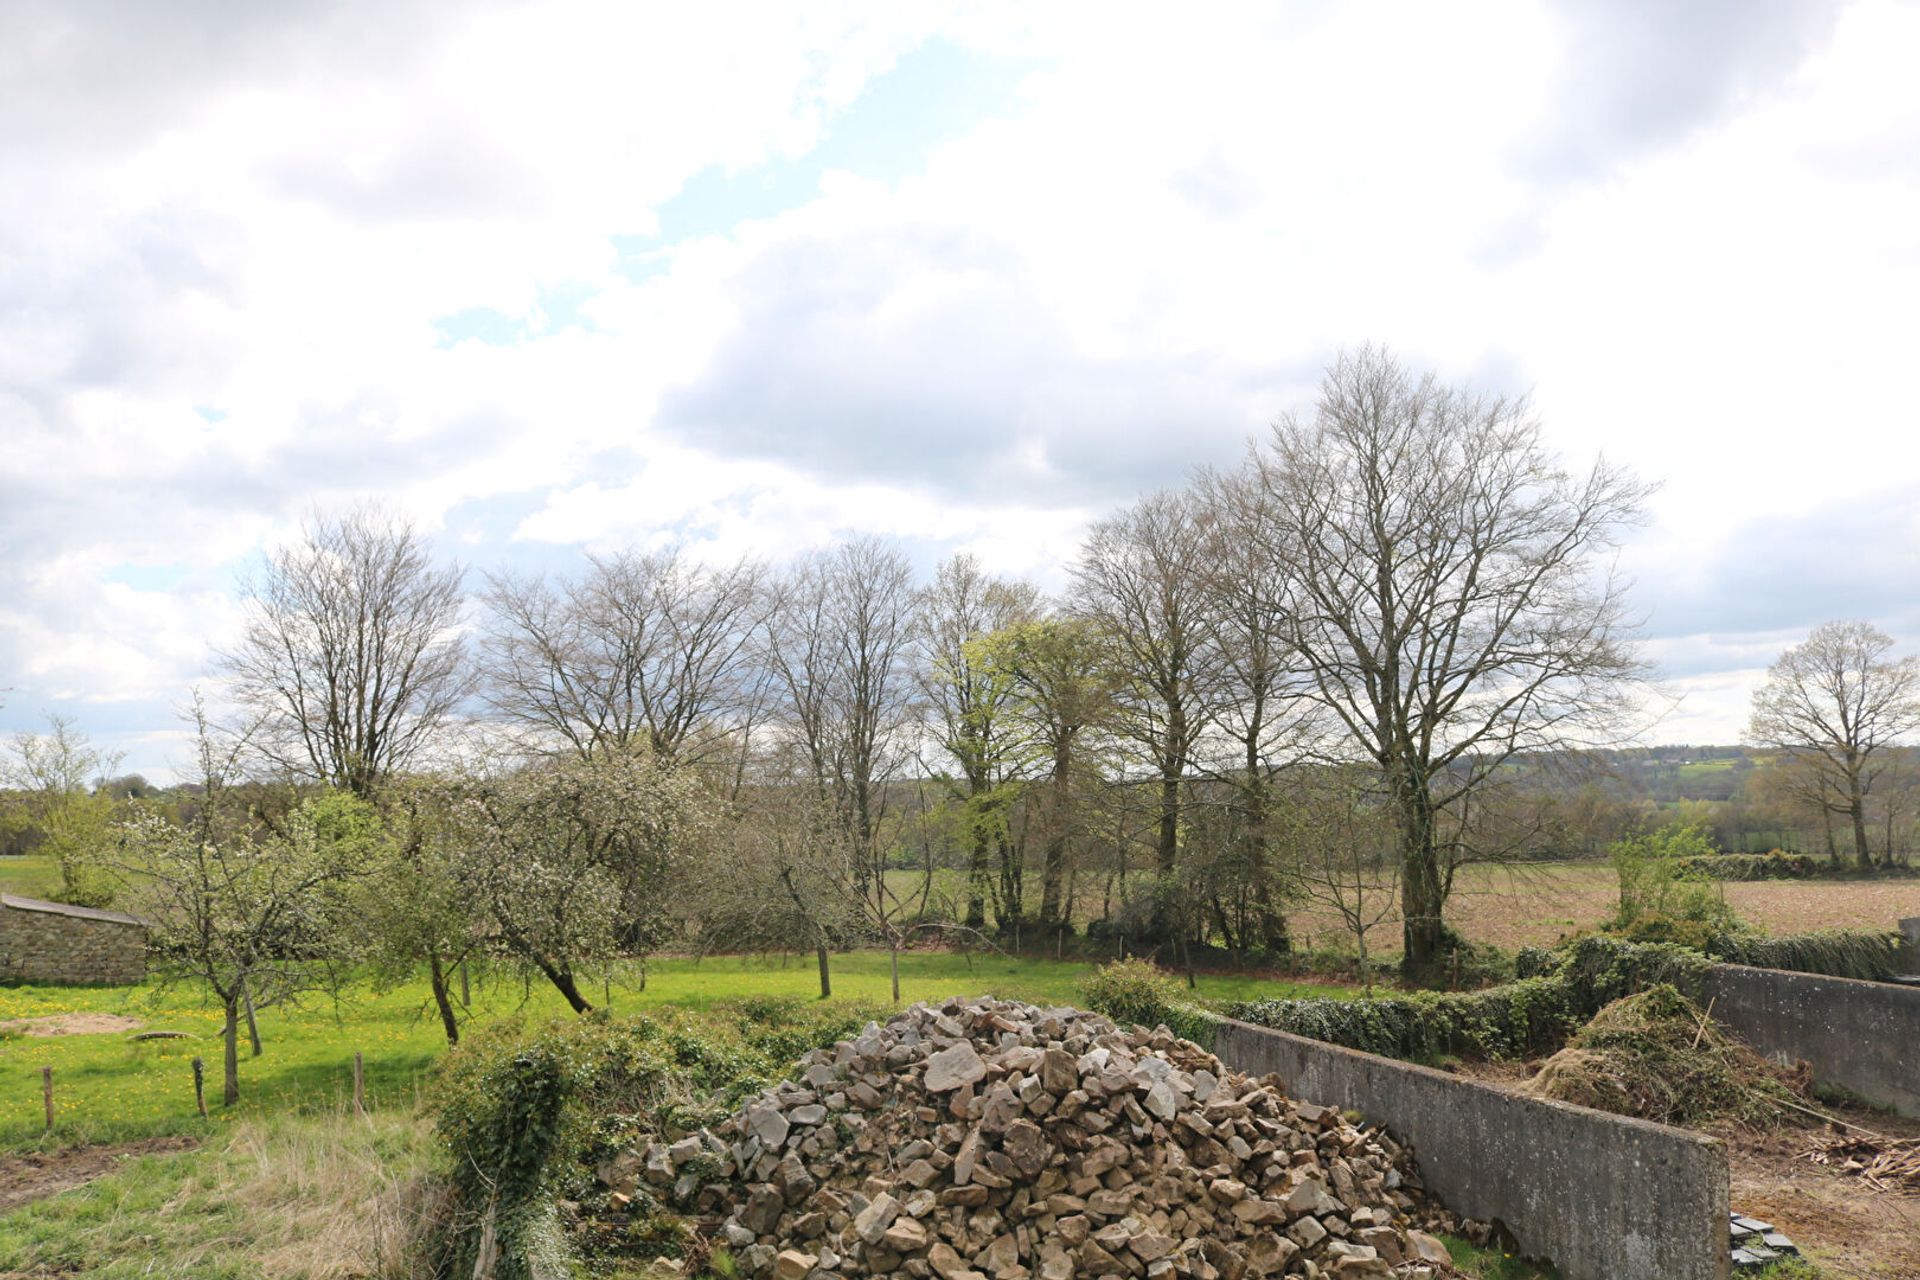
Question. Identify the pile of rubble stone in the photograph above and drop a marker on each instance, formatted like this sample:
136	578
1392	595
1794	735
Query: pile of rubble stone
990	1140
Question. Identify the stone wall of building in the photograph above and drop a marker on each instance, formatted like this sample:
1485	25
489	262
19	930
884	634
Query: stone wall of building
51	942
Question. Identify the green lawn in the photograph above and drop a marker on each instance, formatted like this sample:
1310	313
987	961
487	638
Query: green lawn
30	875
108	1087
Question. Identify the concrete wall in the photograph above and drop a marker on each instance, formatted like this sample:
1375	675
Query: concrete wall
56	943
1861	1036
1601	1196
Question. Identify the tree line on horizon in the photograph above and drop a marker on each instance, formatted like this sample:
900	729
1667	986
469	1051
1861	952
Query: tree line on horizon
1380	649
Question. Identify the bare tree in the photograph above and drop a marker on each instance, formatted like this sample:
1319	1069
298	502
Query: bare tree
967	699
1265	718
643	649
839	646
1435	569
1136	580
1340	844
351	661
1835	703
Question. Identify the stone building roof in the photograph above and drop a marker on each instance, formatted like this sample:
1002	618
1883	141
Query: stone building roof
67	909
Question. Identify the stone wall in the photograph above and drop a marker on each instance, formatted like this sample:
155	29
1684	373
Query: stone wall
1602	1196
1862	1036
52	942
1911	927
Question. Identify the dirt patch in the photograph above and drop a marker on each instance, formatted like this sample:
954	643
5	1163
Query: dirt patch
69	1024
39	1174
1849	1230
1852	1232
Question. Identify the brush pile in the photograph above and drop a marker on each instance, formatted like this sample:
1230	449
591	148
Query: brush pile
1658	1056
989	1140
1884	1164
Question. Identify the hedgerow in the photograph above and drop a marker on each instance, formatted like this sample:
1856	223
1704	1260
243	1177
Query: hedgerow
1871	955
1749	866
1529	1016
1558	992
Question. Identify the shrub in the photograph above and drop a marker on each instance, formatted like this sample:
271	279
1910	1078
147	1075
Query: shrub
521	1114
1131	992
1139	993
1655	898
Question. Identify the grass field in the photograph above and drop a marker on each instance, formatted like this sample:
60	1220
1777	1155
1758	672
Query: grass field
110	1088
314	1197
30	876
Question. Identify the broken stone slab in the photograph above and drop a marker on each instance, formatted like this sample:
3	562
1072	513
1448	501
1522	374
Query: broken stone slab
952	1067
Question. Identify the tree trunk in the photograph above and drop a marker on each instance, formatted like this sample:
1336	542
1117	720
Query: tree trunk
253	1027
1422	897
230	1093
893	960
562	980
977	867
826	978
1167	848
442	997
1857	810
1053	872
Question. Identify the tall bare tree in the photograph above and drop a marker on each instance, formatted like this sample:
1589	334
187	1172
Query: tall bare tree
968	697
351	660
840	649
1435	567
1265	718
653	649
1137	581
1835	703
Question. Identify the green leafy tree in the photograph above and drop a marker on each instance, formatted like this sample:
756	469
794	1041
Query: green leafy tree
572	860
1658	901
55	774
257	918
1060	695
966	698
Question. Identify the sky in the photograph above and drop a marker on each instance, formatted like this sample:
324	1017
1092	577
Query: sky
564	277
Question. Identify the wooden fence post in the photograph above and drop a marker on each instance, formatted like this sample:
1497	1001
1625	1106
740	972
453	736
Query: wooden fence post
359	1086
200	1085
46	1091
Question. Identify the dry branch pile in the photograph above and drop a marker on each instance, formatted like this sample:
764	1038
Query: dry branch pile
1885	1164
988	1139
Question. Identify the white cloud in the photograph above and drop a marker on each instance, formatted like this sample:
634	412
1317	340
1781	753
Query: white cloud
226	244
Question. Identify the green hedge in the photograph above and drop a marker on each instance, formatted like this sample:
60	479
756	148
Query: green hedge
1557	992
1749	866
1534	1015
1140	993
1839	953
